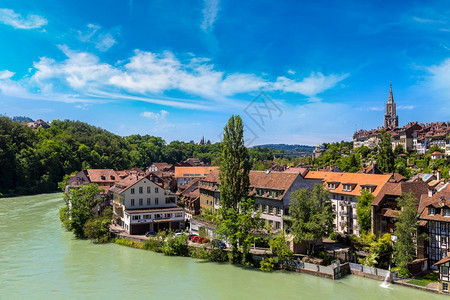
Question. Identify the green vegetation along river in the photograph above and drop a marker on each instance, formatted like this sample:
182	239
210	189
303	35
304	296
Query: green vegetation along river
39	260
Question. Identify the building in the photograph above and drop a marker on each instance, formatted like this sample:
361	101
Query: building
272	192
141	204
160	166
344	188
190	199
385	206
434	217
444	274
104	178
184	175
436	155
390	116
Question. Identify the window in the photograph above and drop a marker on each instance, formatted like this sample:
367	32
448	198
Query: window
156	201
156	190
431	211
270	209
147	217
278	211
132	190
148	201
132	202
141	190
168	215
141	202
136	217
445	286
277	225
178	215
149	190
264	208
446	212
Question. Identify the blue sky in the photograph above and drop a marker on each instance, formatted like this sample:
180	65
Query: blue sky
301	72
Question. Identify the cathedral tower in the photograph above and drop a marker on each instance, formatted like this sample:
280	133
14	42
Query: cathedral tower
390	117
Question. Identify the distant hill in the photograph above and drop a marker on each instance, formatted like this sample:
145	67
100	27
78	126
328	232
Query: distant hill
288	148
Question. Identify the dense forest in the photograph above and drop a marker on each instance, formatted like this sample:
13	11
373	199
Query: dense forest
34	161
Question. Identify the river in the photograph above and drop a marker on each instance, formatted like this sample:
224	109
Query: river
39	260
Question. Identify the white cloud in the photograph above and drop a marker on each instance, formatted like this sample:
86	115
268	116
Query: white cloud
310	86
9	17
406	107
6	74
438	79
155	116
209	12
375	108
102	41
292	72
148	77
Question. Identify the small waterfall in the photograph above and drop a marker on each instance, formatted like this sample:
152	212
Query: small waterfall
385	283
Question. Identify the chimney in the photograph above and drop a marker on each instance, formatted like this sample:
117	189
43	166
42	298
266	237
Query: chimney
438	174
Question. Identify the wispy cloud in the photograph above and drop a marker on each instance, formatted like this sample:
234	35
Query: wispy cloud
375	108
210	10
161	115
6	74
16	20
102	41
310	86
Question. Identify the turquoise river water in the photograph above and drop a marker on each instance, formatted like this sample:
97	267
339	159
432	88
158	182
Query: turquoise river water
39	260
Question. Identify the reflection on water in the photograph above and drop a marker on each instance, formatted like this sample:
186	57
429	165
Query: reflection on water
38	259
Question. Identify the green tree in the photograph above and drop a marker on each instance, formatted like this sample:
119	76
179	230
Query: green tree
78	210
279	247
385	156
98	228
235	220
363	210
312	215
405	231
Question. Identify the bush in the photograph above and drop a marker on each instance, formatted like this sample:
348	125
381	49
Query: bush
267	265
218	255
154	244
176	246
200	253
333	236
128	243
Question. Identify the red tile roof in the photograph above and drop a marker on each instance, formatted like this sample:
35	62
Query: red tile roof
396	189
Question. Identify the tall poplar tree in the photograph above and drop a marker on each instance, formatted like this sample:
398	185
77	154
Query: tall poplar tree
406	232
236	220
385	156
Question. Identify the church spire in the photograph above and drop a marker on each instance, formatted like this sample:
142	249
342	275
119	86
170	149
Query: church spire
391	97
390	117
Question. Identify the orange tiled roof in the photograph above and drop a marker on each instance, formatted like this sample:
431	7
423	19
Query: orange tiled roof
193	171
378	180
442	261
438	200
397	188
302	171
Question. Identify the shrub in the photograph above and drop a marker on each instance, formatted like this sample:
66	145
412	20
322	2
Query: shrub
267	265
200	253
176	246
218	255
128	243
154	244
